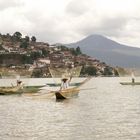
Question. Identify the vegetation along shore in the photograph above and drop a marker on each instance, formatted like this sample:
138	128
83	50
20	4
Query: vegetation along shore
18	52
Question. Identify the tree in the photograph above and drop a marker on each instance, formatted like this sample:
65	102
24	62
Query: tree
63	48
27	38
26	59
37	73
107	71
33	39
1	48
24	44
35	55
78	51
17	36
90	70
45	52
116	72
8	36
73	51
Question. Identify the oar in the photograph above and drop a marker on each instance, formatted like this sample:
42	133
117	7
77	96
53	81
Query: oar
87	88
42	96
83	82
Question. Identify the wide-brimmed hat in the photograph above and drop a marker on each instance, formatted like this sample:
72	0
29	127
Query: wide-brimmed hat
64	77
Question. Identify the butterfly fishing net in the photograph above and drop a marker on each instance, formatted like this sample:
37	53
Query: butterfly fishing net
65	72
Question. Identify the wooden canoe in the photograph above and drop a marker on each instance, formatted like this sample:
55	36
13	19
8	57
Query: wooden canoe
130	83
10	90
59	84
70	92
19	89
67	93
32	89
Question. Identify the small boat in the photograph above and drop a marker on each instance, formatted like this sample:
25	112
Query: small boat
67	93
19	89
66	74
10	90
130	83
59	84
32	89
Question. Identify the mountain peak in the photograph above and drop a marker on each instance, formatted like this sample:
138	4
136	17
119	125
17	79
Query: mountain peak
109	51
99	41
95	36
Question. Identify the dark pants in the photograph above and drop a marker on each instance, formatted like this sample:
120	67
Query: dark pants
133	80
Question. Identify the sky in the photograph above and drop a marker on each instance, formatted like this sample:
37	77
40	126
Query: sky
67	21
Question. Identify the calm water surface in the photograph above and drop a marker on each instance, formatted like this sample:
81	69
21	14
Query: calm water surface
108	112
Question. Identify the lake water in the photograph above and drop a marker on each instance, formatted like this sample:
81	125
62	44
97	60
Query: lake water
110	111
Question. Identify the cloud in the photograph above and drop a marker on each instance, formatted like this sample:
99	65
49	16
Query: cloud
5	4
77	8
113	26
70	20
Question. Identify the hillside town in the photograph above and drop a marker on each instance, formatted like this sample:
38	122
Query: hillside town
19	52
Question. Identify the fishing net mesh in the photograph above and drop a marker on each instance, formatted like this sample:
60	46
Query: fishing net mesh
67	72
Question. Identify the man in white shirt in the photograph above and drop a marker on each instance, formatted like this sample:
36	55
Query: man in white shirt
65	83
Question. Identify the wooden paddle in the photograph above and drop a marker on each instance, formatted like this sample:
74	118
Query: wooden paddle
87	88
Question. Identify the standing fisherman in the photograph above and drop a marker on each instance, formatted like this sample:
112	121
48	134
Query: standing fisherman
65	82
133	77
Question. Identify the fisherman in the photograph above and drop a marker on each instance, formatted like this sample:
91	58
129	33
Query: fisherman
65	82
133	80
0	75
133	77
19	83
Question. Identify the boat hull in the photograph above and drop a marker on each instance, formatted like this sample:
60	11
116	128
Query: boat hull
32	89
67	93
59	84
130	83
10	90
19	90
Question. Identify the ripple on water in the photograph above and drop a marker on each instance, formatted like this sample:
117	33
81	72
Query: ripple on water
108	112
